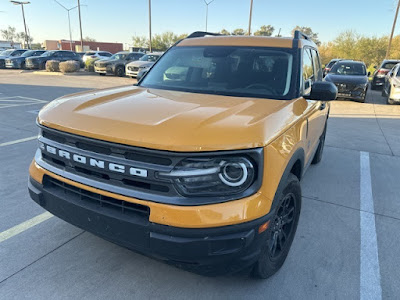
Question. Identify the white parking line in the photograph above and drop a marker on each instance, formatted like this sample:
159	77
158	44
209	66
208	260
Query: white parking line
370	278
19	141
9	233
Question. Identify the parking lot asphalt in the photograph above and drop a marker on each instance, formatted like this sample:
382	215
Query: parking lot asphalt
346	246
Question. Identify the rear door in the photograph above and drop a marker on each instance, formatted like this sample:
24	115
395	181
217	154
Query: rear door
312	72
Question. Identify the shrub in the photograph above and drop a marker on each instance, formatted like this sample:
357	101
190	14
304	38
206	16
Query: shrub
89	64
69	66
52	66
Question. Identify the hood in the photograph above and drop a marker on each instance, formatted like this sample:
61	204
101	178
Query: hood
171	120
4	57
139	63
348	79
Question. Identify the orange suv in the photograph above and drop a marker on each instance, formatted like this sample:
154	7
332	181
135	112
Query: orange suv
199	163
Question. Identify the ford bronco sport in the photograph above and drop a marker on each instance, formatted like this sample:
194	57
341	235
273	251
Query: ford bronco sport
199	163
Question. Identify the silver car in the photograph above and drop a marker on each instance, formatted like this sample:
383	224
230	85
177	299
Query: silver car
145	62
391	86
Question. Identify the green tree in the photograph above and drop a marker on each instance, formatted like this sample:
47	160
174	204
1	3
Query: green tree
265	30
9	34
165	40
238	31
20	37
308	31
224	32
140	42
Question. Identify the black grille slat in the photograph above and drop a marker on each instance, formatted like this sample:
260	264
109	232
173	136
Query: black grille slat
97	199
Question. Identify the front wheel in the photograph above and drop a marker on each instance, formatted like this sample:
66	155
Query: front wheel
120	71
281	230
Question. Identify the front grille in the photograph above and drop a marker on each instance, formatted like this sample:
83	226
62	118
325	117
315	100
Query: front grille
93	199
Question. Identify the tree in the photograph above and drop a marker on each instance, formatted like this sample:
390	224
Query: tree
89	39
239	31
21	37
9	34
308	31
224	32
140	42
265	30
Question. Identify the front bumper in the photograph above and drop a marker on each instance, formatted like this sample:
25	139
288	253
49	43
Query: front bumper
13	65
131	73
207	251
32	65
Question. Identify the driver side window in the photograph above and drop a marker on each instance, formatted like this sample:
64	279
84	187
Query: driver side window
308	72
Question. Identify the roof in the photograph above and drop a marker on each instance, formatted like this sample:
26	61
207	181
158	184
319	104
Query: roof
255	41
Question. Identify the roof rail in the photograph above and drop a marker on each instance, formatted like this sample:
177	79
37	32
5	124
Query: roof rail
299	35
197	34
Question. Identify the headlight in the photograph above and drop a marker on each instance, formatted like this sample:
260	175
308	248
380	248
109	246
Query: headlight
208	176
143	67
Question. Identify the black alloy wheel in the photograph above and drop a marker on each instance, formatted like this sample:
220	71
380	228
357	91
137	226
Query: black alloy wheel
281	231
120	71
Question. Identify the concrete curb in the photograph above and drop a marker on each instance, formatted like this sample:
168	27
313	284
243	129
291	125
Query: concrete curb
81	73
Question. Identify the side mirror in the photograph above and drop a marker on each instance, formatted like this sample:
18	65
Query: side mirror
375	67
141	73
369	74
323	91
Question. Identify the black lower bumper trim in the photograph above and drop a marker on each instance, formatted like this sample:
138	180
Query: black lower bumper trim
207	251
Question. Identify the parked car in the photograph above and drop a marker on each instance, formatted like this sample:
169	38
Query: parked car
351	79
96	54
378	78
202	172
145	62
39	62
391	86
9	53
330	64
18	62
115	65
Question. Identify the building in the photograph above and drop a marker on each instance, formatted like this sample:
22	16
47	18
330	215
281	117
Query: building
76	46
9	45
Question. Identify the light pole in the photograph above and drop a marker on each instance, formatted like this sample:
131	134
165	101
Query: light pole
391	35
150	48
23	16
207	4
80	23
251	13
69	21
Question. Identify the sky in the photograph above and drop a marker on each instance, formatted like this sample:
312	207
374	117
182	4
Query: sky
118	21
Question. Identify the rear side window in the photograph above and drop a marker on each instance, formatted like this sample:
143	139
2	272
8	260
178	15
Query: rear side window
90	53
18	52
105	54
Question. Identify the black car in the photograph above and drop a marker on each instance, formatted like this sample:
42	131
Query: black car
378	78
115	65
9	53
330	64
39	62
350	78
19	61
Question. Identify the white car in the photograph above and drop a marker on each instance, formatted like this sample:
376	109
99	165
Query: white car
145	62
391	86
96	54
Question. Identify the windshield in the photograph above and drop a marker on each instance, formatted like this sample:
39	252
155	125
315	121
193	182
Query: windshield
7	52
118	56
348	69
28	53
149	57
233	71
48	53
389	65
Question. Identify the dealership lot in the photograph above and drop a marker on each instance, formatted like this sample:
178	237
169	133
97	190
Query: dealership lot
340	250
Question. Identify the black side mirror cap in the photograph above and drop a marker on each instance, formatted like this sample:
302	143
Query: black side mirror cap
323	91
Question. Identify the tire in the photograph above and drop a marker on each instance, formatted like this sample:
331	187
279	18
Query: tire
320	150
42	66
102	74
288	207
390	101
120	71
383	92
23	66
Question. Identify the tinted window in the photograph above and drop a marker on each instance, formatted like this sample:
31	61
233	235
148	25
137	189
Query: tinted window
233	71
343	68
28	53
18	52
90	53
105	54
119	56
48	53
331	63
